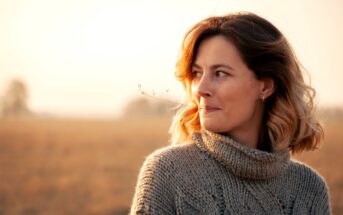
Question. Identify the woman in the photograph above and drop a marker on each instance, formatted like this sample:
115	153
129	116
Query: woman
249	108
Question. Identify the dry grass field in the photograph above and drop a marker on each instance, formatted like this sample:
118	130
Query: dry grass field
70	166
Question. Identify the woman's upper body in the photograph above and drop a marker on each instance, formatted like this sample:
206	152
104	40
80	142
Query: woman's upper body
217	175
247	108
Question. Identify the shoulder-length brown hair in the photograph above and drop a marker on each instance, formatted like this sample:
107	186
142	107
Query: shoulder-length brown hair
288	119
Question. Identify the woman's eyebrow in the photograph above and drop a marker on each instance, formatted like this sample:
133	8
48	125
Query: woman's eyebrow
196	66
215	66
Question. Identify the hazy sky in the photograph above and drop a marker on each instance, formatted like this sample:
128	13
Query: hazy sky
86	57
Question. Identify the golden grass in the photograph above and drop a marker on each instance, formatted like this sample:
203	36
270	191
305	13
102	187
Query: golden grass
73	166
70	166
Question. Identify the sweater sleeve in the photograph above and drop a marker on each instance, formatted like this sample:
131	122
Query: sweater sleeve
153	194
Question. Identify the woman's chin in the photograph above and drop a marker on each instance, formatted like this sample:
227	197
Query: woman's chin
211	126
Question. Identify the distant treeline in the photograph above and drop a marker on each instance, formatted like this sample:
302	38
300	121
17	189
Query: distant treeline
331	113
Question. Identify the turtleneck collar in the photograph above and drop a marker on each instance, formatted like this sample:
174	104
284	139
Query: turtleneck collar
242	160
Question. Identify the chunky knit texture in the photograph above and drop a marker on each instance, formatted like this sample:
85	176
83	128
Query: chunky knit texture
217	175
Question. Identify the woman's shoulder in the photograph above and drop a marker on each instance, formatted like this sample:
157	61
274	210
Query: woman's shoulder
307	175
312	187
172	155
156	182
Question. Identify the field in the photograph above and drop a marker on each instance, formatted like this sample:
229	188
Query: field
78	166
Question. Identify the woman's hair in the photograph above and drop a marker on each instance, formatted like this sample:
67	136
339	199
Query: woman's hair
289	115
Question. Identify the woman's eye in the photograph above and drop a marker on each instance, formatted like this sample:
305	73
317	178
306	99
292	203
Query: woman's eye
196	74
221	74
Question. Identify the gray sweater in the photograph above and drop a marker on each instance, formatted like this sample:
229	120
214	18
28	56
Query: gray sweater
216	175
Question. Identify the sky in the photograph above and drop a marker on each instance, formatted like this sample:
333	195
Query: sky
87	57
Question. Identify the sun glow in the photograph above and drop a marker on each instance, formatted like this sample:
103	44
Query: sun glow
88	56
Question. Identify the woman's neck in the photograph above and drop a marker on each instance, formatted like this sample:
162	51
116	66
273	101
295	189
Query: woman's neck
250	134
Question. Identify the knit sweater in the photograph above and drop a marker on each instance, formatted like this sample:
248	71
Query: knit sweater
217	175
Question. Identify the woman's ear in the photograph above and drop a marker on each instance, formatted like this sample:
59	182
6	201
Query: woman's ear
268	88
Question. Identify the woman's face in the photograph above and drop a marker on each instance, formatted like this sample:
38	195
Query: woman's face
228	93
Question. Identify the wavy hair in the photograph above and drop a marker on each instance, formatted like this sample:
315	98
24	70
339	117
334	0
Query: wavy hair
289	120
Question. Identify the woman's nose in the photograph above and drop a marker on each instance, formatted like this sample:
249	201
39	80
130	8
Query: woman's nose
203	87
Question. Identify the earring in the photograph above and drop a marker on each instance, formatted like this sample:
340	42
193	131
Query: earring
262	98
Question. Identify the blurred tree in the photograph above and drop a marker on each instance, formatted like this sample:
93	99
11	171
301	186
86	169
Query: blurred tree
14	101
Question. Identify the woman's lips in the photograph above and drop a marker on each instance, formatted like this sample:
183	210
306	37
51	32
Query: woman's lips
208	109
